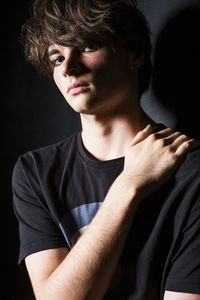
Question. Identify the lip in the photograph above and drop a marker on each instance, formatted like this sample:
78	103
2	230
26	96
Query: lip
77	88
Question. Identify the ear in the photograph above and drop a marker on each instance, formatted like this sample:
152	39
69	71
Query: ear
136	61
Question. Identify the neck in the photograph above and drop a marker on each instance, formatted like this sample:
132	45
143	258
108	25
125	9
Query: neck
107	137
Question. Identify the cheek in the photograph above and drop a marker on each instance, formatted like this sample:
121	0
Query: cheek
57	79
96	61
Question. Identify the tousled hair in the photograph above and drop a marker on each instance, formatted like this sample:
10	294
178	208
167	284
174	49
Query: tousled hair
77	22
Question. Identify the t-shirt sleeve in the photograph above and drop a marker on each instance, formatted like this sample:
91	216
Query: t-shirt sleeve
37	229
184	275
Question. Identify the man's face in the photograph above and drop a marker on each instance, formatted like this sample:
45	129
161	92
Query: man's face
92	80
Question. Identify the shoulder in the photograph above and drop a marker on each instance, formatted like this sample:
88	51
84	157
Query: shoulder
186	183
51	151
191	164
45	158
60	147
193	158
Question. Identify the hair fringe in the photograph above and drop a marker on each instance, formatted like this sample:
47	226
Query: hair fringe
74	22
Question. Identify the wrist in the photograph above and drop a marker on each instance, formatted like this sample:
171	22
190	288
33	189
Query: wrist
129	189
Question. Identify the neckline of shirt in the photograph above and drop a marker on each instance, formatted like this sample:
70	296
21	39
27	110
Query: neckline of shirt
105	163
96	163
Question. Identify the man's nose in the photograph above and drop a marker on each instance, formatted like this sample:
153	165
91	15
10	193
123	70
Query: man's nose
72	64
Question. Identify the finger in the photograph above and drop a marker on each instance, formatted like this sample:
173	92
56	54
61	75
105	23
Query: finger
142	135
164	133
186	146
181	139
172	138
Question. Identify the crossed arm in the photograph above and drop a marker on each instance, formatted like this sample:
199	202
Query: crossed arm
85	271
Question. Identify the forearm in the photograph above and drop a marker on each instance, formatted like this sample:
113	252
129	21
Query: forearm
87	270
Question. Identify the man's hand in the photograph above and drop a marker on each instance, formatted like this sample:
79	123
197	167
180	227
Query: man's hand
86	271
151	158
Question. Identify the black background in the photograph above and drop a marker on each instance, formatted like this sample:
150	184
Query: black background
34	114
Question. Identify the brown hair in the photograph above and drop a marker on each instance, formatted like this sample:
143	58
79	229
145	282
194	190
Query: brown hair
75	22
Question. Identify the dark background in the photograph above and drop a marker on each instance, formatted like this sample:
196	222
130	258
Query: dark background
34	114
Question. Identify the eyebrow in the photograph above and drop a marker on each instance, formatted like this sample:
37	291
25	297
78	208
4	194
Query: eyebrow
52	52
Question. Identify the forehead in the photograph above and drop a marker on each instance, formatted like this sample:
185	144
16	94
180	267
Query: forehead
55	49
55	46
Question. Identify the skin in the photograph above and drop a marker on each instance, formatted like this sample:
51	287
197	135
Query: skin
108	107
102	71
113	125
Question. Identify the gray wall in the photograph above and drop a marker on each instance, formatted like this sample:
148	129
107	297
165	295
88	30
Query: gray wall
182	43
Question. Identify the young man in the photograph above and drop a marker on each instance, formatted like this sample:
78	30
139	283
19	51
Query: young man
111	212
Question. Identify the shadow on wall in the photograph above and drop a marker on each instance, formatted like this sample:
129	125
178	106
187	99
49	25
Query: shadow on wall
176	80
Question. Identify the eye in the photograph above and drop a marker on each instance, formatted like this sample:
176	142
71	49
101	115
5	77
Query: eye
90	48
57	61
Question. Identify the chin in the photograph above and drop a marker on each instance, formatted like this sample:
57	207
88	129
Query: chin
81	103
83	109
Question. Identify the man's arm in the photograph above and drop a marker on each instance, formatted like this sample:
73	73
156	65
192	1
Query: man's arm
86	271
180	296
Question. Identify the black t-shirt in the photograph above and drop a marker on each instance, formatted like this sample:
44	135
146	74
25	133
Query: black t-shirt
57	190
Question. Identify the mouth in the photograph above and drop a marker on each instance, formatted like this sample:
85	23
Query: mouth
77	88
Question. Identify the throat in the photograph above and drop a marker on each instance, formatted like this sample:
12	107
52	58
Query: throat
108	137
111	141
103	149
